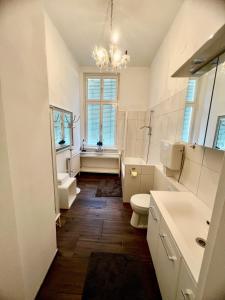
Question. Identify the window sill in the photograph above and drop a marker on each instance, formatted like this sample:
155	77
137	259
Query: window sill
104	148
62	149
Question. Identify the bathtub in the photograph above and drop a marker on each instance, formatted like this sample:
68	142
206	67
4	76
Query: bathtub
186	217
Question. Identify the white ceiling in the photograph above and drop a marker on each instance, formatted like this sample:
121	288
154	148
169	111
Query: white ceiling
142	25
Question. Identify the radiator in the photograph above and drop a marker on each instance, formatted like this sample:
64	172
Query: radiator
73	164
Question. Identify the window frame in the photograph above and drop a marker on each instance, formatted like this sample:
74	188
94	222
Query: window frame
101	102
193	105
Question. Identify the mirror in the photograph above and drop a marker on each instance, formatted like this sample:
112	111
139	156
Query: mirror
204	114
215	134
204	90
62	122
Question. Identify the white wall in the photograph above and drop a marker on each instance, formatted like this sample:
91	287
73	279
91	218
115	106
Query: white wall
194	23
9	252
63	82
134	89
28	200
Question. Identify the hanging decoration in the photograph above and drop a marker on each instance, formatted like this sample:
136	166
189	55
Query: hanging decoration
112	59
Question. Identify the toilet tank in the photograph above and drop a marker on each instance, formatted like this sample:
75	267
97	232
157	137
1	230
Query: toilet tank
171	154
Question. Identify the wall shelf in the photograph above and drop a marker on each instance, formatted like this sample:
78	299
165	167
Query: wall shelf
100	162
67	193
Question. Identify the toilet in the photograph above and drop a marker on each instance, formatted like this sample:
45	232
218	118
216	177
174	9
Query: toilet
140	204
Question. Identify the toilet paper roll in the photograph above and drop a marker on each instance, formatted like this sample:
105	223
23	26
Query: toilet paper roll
133	173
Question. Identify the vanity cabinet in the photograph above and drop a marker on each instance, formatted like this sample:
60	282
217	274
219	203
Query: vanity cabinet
168	263
153	231
175	279
186	286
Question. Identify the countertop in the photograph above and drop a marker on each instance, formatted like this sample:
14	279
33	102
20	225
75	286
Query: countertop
186	218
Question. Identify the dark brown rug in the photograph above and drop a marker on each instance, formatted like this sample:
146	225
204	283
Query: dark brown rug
109	188
113	276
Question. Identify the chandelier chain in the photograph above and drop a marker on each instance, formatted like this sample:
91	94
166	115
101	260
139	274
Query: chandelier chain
112	59
111	16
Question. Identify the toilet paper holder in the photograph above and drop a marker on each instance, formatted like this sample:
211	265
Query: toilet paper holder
133	172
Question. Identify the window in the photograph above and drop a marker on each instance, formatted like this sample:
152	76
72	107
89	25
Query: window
62	128
189	110
101	109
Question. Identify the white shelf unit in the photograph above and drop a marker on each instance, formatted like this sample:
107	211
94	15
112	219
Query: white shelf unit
100	162
67	193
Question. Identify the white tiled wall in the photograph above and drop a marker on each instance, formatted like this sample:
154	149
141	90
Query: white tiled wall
201	172
201	169
131	138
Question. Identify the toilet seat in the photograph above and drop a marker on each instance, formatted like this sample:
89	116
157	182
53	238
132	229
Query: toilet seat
141	201
140	204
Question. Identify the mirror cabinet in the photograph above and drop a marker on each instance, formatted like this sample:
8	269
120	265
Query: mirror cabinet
204	114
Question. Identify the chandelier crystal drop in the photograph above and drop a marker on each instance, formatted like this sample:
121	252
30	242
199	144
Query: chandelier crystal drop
112	59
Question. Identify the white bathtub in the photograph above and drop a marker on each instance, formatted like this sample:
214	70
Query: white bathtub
186	218
134	161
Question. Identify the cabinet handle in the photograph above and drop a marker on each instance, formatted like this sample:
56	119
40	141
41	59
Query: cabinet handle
163	239
187	294
152	210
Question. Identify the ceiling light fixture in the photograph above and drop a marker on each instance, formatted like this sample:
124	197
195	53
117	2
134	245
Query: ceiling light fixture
112	59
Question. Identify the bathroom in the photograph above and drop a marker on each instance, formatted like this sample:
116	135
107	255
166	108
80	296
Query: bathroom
68	224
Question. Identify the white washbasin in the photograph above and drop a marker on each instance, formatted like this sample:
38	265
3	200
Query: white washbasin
186	217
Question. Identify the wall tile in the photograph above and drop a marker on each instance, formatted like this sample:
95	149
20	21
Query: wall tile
181	98
180	115
139	150
142	116
132	115
194	154
172	126
190	175
146	183
207	186
141	133
163	127
213	159
121	115
147	170
175	102
135	140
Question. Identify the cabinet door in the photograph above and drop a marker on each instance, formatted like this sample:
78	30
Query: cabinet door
168	263
187	286
153	231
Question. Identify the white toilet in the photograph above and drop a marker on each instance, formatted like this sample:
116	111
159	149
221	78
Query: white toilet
140	204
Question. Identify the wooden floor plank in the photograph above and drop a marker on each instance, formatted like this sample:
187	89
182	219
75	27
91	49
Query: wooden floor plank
92	224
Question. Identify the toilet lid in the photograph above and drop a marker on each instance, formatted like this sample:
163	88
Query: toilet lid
142	200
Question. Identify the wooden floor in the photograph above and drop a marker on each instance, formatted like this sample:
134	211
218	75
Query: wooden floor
92	224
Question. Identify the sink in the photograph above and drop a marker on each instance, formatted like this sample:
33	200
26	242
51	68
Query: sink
201	242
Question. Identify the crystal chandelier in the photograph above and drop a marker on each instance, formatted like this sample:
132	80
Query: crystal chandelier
112	59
